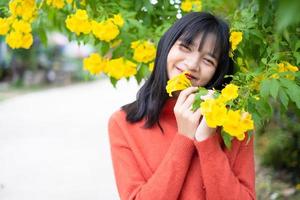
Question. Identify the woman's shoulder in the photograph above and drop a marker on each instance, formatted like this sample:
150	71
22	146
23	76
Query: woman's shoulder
118	116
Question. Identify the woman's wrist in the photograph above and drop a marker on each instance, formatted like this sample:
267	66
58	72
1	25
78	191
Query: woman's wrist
203	131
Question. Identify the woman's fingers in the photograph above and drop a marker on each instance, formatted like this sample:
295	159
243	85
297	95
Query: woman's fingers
184	94
197	113
189	101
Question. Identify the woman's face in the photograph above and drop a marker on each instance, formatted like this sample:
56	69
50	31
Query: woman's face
201	65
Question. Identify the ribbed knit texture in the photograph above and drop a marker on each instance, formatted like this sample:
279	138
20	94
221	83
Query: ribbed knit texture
151	165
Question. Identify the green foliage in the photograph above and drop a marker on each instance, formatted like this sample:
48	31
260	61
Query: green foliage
279	145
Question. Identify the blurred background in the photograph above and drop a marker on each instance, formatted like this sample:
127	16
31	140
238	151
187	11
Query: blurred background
53	113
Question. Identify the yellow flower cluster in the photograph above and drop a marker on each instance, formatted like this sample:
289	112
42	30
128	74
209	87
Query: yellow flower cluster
106	30
95	64
189	5
58	3
178	83
79	22
235	38
25	9
286	67
17	27
255	84
120	67
4	25
144	51
235	123
116	68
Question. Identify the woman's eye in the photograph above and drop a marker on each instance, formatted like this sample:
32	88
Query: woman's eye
185	47
208	61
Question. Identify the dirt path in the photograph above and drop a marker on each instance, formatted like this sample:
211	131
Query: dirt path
54	144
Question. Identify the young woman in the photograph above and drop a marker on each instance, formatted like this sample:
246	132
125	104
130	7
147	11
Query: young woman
161	149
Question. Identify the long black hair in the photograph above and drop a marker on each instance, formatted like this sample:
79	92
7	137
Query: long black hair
152	95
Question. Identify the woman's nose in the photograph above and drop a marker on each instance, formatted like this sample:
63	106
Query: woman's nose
193	62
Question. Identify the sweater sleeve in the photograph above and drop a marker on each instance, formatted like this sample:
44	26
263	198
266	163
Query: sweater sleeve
165	183
222	181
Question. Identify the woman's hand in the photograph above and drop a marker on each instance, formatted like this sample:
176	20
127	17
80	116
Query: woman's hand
187	120
203	131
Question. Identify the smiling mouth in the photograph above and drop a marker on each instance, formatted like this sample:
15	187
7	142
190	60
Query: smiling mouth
189	76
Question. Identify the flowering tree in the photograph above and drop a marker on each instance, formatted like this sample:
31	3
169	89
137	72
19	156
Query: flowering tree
264	42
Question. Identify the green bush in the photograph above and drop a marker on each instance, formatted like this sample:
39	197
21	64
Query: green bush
279	144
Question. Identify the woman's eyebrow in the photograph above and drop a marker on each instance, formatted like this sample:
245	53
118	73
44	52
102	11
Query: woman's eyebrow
192	44
186	42
211	55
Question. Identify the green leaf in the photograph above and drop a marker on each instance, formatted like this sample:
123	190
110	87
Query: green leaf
264	61
113	81
201	92
265	88
264	108
197	102
226	138
284	99
43	36
104	48
274	86
293	90
143	71
297	56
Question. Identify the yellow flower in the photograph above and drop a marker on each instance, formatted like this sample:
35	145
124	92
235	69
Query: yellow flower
135	44
79	22
256	98
255	84
230	92
151	66
197	5
56	3
275	76
16	39
21	26
4	26
236	124
27	40
23	8
115	43
189	5
144	51
178	83
120	67
94	64
82	2
285	67
232	125
214	111
235	38
118	20
186	6
105	30
246	121
69	1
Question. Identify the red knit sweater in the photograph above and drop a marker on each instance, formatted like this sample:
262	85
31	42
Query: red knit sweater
151	165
